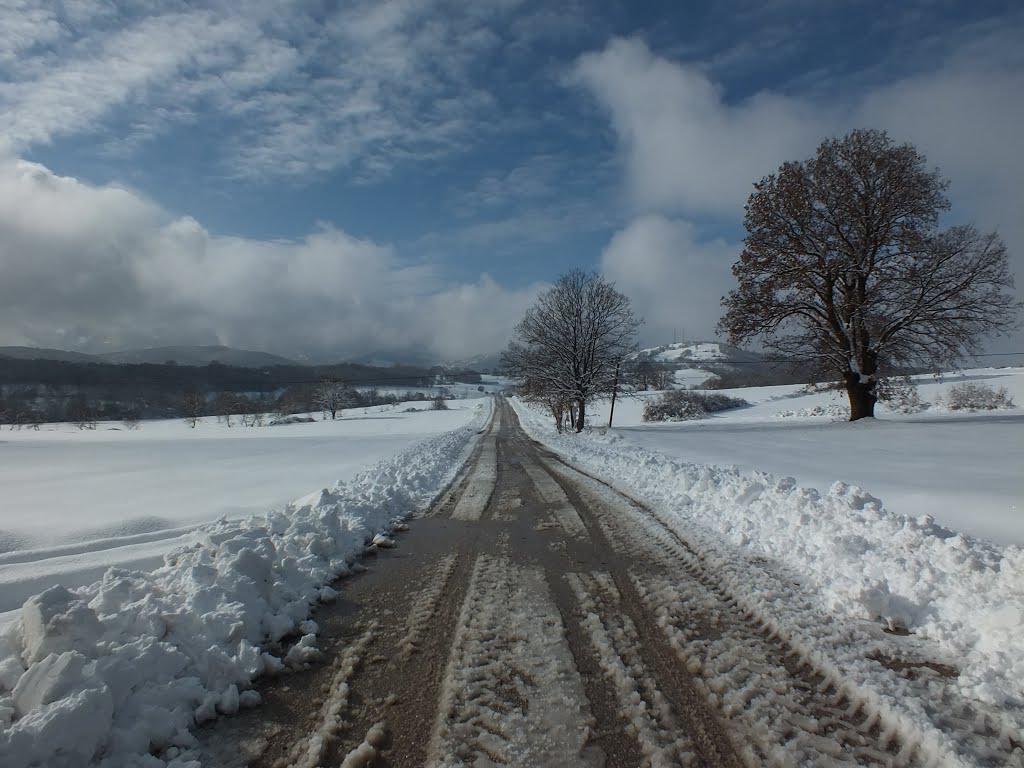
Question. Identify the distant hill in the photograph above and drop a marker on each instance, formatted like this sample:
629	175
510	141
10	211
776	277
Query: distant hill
710	363
182	355
699	352
32	353
479	363
201	355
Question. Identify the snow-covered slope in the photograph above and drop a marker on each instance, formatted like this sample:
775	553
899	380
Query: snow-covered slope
698	351
963	469
118	671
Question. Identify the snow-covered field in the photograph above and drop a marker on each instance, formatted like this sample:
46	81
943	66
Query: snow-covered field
488	385
73	503
964	469
130	661
863	557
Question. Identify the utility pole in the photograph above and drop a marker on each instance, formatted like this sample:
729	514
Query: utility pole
615	390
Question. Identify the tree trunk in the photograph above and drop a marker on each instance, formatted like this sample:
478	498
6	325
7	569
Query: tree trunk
580	415
557	410
862	397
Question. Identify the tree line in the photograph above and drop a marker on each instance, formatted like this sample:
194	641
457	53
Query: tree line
41	391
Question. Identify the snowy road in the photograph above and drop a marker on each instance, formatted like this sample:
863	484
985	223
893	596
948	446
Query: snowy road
537	618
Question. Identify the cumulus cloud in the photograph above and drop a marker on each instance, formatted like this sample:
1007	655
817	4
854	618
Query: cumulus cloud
966	118
674	278
690	153
685	148
104	268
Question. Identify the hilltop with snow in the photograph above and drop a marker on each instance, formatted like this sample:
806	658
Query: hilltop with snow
703	363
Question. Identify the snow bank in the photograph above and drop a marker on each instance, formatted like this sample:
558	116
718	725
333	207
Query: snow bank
116	673
861	559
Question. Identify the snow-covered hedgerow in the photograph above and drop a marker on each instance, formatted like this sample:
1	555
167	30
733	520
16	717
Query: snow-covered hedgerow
853	555
115	674
684	405
975	396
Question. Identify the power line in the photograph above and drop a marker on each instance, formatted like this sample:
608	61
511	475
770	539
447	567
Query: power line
790	359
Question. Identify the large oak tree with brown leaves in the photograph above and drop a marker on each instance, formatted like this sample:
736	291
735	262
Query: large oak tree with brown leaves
844	265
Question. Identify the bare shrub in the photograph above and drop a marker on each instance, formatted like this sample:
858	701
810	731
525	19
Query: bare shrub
684	405
901	395
673	406
975	396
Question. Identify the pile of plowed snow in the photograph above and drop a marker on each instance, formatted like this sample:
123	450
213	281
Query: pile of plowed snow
858	557
116	674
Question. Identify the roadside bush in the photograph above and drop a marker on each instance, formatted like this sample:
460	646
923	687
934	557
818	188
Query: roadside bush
900	394
975	396
682	405
438	404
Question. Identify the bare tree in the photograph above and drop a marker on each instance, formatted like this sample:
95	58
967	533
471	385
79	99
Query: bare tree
82	412
844	266
193	404
332	396
225	405
641	375
645	375
567	345
252	410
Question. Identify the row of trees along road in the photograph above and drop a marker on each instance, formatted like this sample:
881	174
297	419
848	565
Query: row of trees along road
844	267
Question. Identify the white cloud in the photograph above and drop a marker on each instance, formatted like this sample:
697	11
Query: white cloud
967	119
688	152
685	148
281	88
104	266
673	277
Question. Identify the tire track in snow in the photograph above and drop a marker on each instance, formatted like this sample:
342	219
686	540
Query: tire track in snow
787	711
477	493
647	650
512	695
450	496
558	502
310	751
881	730
644	708
424	605
783	708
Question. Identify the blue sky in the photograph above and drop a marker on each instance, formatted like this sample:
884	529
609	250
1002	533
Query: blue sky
402	177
